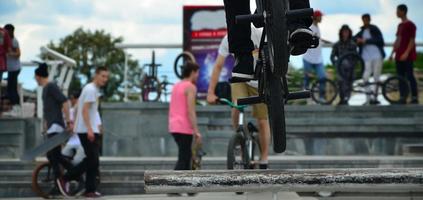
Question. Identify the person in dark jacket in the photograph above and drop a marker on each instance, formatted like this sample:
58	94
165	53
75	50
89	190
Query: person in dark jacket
345	69
371	43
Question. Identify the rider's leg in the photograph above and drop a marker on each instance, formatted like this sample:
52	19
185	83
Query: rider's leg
366	75
238	90
239	38
321	73
53	157
264	132
377	70
307	71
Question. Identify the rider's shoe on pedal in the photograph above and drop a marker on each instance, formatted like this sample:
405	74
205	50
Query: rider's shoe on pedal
63	186
301	39
243	70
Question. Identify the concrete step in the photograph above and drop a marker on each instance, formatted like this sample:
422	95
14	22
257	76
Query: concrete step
23	188
276	162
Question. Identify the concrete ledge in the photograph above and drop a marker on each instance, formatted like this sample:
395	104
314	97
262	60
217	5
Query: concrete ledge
336	180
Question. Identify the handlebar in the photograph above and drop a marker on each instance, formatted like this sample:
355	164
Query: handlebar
231	104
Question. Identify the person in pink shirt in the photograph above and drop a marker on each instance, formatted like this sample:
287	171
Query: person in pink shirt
5	48
182	116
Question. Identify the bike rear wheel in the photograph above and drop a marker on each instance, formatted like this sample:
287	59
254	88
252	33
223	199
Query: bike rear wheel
180	61
324	91
391	90
151	89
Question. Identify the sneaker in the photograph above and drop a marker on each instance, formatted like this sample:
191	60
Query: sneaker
192	194
92	195
263	166
374	102
301	39
243	70
63	186
414	100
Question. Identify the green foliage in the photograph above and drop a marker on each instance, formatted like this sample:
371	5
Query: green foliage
92	49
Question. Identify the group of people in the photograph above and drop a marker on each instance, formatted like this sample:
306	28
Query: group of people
10	62
243	42
369	44
79	117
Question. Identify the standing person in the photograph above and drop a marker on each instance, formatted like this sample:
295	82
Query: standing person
13	68
5	48
54	102
86	126
240	90
313	59
371	43
239	34
405	53
345	69
182	116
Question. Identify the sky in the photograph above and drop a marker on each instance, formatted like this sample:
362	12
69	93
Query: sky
160	21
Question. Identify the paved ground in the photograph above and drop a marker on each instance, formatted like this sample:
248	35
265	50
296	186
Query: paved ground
207	196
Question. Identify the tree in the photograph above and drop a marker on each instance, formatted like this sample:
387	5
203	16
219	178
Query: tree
92	49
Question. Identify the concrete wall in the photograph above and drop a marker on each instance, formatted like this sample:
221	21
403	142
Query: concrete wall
140	129
18	135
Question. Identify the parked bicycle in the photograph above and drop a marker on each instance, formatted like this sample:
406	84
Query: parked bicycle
325	91
272	65
180	61
151	88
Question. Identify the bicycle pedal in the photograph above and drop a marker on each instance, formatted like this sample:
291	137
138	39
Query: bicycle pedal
250	100
299	95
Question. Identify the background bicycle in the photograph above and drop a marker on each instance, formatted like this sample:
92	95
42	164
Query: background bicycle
151	87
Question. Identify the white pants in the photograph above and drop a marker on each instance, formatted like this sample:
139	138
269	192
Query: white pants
372	67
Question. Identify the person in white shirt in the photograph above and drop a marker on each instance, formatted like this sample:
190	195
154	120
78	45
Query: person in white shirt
243	89
371	43
87	128
313	59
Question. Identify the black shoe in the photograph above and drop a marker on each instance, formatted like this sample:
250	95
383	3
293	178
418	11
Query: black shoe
374	102
414	100
263	166
192	194
301	39
243	69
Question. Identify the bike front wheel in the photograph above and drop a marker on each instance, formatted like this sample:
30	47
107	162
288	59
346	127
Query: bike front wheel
324	91
275	101
395	90
237	153
43	180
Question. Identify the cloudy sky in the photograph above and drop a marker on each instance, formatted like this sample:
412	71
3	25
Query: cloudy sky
160	21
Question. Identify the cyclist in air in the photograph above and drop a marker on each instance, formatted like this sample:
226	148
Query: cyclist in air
240	44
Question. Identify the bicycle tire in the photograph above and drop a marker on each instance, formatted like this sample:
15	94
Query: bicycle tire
35	185
391	89
277	34
331	91
186	56
149	85
236	140
276	112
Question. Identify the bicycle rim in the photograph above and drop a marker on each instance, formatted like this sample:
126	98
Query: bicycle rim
324	91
